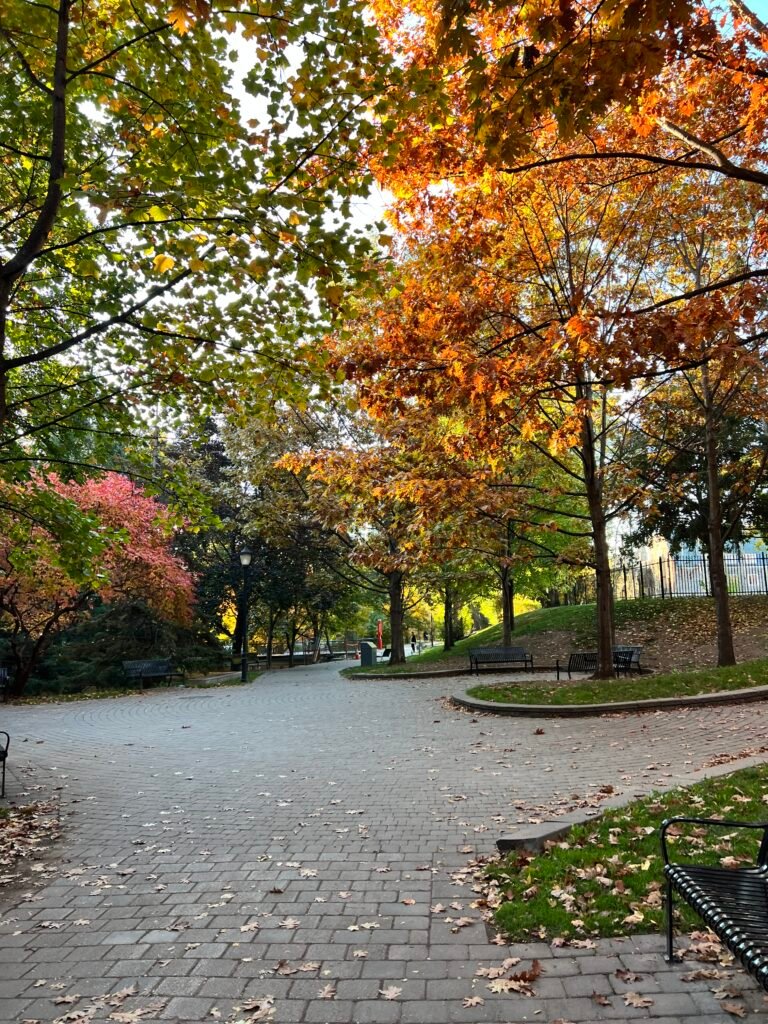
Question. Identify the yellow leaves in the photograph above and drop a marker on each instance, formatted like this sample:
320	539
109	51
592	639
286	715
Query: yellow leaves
162	263
181	19
185	14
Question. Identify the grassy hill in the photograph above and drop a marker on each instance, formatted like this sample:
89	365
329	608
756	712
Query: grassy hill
675	634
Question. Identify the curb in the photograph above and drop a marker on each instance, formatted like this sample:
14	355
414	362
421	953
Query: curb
444	673
533	838
585	710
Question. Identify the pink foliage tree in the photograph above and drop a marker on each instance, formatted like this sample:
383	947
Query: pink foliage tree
130	558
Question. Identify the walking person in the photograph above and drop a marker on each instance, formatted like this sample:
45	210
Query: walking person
413	643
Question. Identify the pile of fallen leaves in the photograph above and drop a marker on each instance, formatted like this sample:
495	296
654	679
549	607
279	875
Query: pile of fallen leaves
26	833
119	1006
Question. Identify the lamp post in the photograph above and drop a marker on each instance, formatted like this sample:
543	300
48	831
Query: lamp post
245	560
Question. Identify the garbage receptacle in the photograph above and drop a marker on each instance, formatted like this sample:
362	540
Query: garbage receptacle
367	654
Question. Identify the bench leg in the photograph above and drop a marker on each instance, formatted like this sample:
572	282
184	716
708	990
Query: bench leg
2	786
669	913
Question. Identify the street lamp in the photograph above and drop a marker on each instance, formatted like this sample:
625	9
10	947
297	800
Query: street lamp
245	560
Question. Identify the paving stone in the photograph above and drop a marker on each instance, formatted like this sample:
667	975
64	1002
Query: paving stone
379	1012
302	749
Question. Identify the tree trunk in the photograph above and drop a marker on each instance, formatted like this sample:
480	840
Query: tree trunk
717	577
270	637
507	605
448	618
396	617
604	591
290	641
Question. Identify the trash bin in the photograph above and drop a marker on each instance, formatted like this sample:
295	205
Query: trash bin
367	654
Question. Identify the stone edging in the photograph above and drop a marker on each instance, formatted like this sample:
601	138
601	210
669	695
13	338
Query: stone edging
584	710
534	837
444	673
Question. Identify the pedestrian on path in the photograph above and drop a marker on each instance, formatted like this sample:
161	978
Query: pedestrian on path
413	643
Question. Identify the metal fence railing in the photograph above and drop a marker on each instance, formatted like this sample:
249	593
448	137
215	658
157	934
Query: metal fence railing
679	577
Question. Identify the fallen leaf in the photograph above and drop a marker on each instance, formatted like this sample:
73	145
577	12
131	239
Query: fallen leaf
735	1009
327	992
260	1009
473	1001
635	999
390	992
628	976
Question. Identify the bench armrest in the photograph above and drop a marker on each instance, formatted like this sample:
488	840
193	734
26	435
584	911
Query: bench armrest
7	742
716	822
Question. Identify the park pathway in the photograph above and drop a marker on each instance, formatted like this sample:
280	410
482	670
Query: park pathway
288	838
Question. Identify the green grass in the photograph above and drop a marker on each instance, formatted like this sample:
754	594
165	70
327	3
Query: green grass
101	693
608	691
579	620
611	869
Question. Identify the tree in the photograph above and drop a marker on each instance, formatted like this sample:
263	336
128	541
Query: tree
702	454
691	79
166	202
130	559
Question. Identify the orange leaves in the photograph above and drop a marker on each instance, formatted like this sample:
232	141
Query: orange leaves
184	15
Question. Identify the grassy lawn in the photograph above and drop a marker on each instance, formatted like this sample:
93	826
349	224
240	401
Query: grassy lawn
606	879
673	620
601	691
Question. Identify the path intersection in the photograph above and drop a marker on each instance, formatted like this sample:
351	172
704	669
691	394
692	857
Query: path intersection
273	852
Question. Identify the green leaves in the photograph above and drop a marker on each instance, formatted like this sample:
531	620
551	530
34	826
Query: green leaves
181	260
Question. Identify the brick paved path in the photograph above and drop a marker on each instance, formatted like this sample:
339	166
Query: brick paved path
315	807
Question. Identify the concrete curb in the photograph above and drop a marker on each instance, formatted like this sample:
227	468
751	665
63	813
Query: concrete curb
444	673
534	837
585	710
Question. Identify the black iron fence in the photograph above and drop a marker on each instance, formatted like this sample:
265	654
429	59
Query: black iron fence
680	577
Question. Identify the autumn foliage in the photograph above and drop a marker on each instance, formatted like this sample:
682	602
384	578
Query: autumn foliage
44	588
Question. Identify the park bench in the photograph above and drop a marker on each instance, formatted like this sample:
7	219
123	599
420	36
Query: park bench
733	901
586	661
3	758
634	651
152	669
499	656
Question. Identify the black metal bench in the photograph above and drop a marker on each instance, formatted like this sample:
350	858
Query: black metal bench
3	758
586	661
635	652
146	669
733	902
499	656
